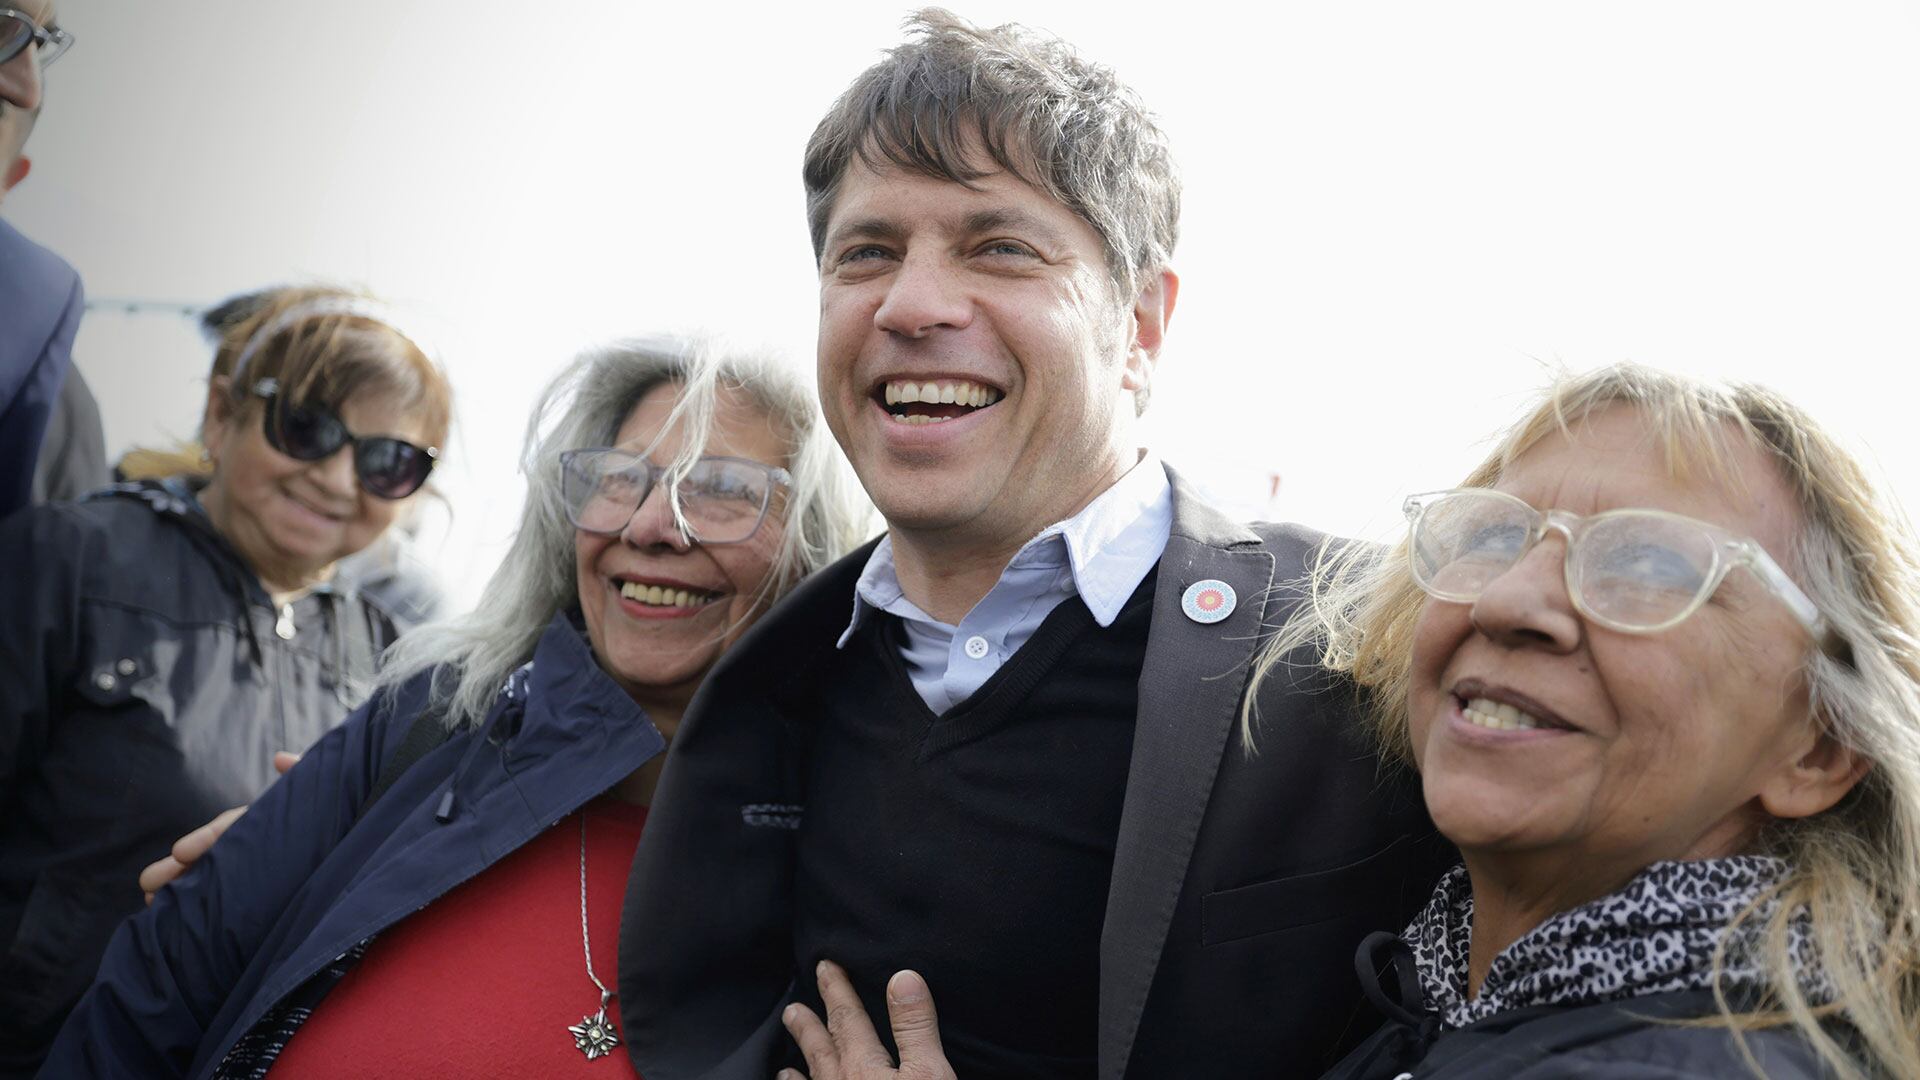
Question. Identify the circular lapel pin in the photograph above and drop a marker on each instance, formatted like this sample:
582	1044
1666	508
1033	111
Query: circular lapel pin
1207	601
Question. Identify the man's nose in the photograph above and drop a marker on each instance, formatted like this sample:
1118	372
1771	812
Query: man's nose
653	526
20	80
923	295
1528	606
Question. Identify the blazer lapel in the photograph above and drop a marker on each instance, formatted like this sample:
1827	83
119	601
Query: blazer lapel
1190	689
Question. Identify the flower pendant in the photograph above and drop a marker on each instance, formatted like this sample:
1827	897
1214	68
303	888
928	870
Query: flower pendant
594	1035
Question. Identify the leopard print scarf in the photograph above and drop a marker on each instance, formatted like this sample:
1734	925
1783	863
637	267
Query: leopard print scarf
1655	935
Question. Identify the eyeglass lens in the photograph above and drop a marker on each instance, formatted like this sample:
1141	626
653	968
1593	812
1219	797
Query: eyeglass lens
17	33
388	468
1640	570
722	501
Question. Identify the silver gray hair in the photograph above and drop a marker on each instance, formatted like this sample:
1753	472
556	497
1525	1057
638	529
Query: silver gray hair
827	514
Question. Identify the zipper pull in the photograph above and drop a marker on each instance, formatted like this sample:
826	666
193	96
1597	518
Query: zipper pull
284	627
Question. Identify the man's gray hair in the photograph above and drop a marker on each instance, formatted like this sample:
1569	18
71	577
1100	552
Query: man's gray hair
826	514
1036	108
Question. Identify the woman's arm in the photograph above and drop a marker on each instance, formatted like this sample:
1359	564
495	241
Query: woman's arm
169	970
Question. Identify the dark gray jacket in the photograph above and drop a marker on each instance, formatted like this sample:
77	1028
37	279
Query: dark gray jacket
1633	1039
145	682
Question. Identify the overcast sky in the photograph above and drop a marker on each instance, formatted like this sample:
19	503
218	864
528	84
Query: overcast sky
1398	216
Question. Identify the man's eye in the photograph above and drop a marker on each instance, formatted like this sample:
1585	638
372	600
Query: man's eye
1006	248
863	253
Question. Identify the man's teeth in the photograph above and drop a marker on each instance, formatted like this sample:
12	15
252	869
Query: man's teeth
1498	715
944	392
655	596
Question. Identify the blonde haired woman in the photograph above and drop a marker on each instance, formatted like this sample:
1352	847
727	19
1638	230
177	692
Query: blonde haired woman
1656	662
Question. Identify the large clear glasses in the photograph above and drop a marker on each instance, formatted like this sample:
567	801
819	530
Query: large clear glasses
17	31
1636	571
723	500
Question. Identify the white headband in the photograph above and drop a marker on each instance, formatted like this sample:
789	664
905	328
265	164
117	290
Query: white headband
330	305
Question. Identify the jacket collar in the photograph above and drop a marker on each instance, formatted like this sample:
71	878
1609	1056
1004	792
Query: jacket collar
1190	689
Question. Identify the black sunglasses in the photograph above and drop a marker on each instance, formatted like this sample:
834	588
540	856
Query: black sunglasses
388	468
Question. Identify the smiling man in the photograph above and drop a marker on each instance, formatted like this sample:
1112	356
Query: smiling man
994	747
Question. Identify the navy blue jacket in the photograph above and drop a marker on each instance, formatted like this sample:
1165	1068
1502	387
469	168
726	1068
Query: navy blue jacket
40	302
304	877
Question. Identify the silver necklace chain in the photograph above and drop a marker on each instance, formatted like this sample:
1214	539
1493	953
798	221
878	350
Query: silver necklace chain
586	942
594	1035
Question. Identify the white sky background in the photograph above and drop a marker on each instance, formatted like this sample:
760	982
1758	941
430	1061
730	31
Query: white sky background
1396	214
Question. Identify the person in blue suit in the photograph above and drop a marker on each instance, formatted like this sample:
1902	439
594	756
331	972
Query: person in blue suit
40	295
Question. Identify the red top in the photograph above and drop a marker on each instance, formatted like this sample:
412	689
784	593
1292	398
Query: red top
486	980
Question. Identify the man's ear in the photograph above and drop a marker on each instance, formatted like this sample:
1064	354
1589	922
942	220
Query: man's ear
16	172
1152	311
1815	780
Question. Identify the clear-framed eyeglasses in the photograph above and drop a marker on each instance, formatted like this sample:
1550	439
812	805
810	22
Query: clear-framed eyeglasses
1635	571
723	500
18	31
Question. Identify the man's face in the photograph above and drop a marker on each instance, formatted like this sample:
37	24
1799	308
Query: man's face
995	302
15	124
20	77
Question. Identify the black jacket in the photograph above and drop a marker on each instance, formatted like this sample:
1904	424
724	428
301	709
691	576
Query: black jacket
1633	1039
145	682
1240	881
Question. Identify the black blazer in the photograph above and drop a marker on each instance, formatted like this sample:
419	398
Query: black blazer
1241	882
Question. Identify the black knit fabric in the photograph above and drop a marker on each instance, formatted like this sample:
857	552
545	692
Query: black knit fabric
976	847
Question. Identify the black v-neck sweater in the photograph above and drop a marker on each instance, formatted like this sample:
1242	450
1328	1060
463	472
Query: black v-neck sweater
975	847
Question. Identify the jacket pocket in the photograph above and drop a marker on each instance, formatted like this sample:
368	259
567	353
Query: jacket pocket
1286	903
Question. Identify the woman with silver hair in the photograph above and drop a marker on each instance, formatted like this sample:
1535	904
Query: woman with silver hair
435	889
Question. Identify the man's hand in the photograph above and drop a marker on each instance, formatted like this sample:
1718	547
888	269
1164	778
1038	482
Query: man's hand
188	849
846	1048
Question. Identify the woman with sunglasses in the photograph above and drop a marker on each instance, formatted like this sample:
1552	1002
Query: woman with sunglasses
164	639
435	889
1655	662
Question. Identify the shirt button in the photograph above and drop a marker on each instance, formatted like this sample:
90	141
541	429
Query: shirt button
104	680
977	647
127	667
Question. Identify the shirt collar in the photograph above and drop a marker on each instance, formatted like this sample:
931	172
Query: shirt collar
1110	545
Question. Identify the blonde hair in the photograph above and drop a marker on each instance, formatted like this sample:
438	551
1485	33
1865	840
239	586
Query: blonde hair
1855	869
